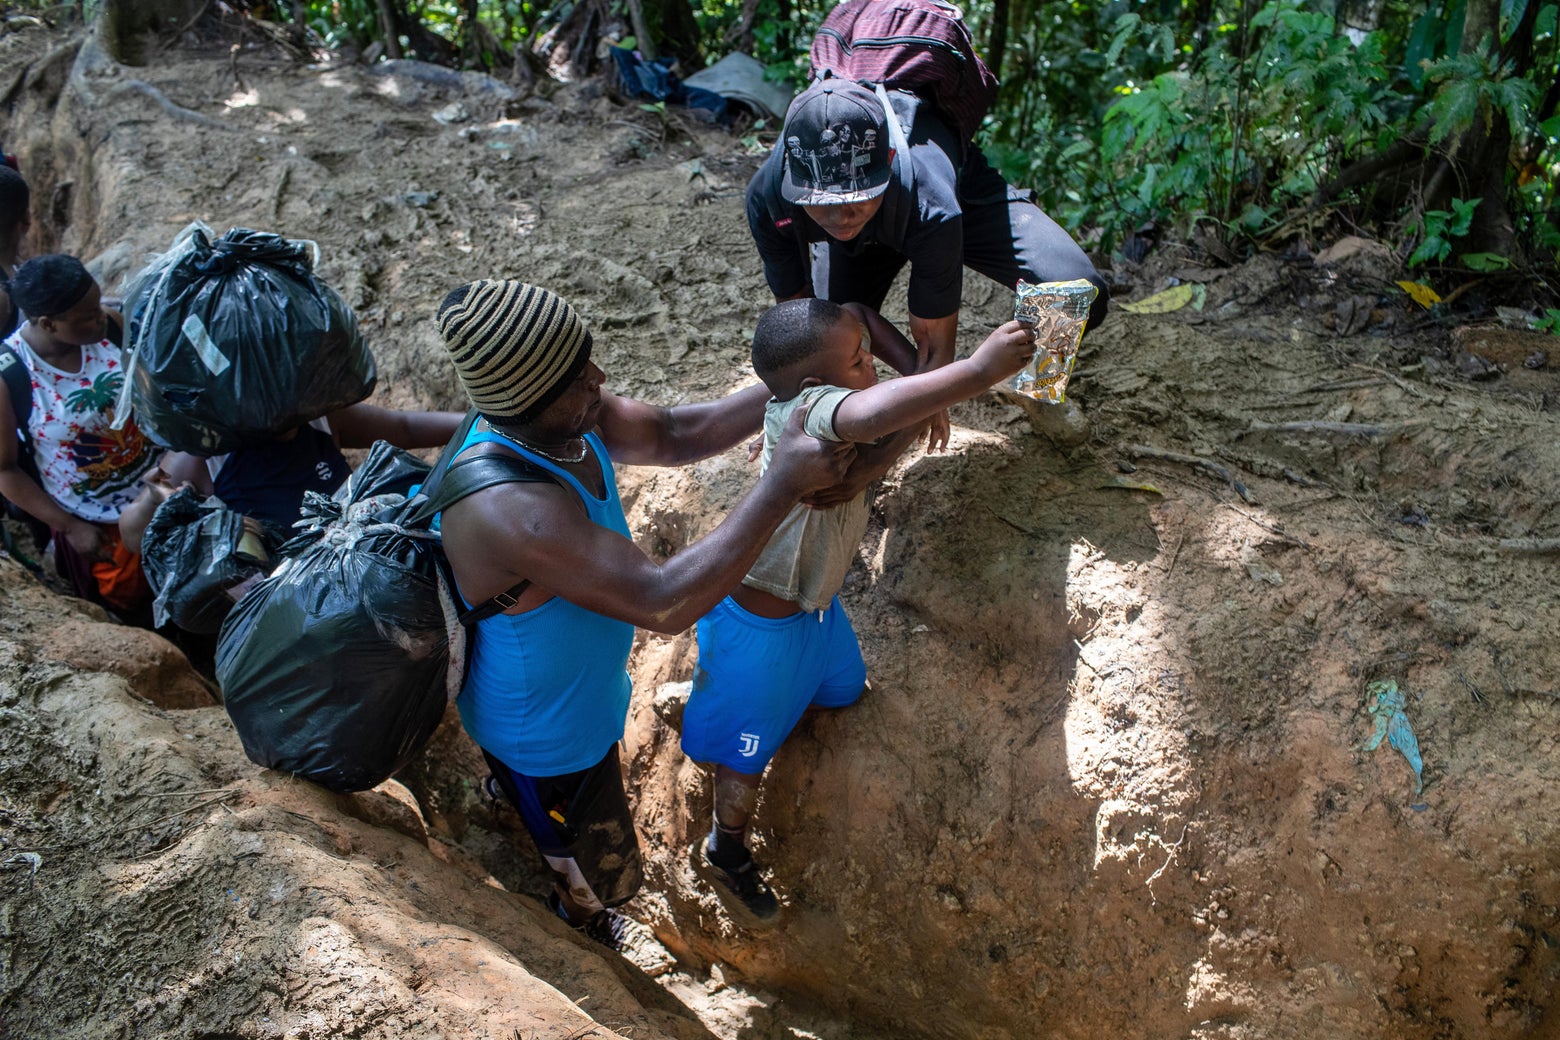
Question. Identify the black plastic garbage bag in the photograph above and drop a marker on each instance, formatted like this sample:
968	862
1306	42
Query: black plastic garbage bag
195	550
235	341
334	667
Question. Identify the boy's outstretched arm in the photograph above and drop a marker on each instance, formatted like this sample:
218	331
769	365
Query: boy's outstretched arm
889	407
537	531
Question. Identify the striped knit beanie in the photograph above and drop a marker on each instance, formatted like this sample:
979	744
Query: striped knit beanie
516	347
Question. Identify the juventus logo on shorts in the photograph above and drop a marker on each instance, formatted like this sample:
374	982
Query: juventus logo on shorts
749	746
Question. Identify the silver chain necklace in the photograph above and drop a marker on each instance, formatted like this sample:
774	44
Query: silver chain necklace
528	446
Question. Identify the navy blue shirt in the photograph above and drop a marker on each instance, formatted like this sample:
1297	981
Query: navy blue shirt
268	482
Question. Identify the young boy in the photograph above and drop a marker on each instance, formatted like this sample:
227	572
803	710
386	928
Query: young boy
782	643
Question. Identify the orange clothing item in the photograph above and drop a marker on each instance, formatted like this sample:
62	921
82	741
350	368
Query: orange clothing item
120	580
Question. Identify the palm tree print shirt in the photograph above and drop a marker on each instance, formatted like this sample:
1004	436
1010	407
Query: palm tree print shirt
91	469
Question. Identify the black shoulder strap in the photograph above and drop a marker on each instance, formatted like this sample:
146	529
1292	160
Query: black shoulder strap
479	471
450	450
898	201
468	475
454	479
18	384
451	479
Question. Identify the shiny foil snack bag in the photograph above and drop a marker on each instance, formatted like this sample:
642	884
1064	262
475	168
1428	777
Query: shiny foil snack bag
1058	311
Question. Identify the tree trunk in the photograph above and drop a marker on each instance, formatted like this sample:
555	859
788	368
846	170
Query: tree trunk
470	22
996	36
470	39
573	40
740	36
1359	16
674	25
126	24
1479	158
479	48
390	26
636	18
298	29
783	37
1202	27
585	45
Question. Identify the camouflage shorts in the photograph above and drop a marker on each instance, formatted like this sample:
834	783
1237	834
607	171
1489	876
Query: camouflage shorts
582	825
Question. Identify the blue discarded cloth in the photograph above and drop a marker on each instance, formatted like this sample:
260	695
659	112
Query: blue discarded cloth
656	80
1385	701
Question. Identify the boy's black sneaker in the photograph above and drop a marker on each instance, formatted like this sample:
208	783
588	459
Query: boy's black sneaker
743	893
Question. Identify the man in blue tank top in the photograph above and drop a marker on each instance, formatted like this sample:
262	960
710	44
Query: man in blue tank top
546	695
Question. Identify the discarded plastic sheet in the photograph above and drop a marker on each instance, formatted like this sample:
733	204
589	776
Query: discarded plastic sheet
740	77
1385	701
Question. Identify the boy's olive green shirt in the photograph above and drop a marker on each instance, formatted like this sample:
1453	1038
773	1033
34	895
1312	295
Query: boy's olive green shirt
810	552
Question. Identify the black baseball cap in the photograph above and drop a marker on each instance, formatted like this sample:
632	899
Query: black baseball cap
835	145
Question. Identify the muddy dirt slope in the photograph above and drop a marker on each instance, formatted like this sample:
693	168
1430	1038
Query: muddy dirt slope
1110	778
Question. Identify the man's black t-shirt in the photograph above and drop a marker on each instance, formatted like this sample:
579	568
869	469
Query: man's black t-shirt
920	219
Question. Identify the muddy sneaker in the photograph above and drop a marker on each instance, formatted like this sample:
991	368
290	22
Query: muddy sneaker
607	927
742	892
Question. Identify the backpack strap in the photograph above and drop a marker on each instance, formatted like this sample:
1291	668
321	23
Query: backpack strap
18	384
446	455
18	387
897	205
453	479
479	471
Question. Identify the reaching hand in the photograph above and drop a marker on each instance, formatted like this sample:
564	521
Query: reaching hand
937	433
161	485
802	463
1008	349
87	541
839	494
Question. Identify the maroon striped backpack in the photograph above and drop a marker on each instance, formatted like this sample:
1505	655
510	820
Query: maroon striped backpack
922	46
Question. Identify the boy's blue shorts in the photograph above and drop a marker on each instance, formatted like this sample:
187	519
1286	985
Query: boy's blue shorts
757	675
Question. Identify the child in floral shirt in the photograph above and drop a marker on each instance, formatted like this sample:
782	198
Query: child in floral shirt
87	471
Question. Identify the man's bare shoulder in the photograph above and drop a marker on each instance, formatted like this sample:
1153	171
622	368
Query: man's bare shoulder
531	507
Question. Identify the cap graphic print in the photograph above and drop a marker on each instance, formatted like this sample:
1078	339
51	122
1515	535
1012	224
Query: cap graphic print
835	144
